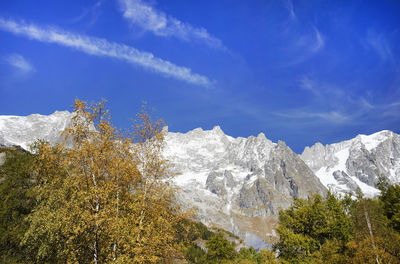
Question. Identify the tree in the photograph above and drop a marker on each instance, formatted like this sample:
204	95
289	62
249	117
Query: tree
307	225
374	239
390	197
219	249
105	197
251	256
195	254
16	202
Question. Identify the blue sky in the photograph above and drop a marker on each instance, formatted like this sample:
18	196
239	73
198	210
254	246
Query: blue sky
298	71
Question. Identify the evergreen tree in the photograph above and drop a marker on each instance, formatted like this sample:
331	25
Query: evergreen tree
251	256
390	198
16	202
219	249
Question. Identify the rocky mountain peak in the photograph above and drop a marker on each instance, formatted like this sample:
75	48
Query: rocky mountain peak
238	183
235	180
217	130
24	130
357	162
261	136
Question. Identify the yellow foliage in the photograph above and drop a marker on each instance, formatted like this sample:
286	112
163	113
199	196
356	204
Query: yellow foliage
104	196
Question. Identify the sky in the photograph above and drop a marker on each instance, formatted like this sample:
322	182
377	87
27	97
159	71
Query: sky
301	71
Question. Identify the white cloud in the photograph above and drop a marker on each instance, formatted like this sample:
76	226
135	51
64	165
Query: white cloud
332	116
331	102
302	46
391	110
290	8
19	62
364	103
394	104
380	44
319	41
101	47
150	19
92	12
309	84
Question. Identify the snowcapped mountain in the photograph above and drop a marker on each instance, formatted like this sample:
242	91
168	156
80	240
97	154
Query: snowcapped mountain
240	184
24	130
357	162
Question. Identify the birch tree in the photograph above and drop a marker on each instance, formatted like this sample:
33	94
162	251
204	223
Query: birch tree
106	197
374	241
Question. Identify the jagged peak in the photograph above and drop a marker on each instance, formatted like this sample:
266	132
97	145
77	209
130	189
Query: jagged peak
55	113
217	129
373	140
200	132
196	130
63	112
317	145
217	132
381	135
261	136
281	144
370	141
55	117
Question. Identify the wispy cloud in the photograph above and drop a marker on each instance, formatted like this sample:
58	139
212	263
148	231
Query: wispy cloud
150	19
380	44
19	62
331	103
394	104
365	104
324	92
290	8
319	41
302	46
309	84
332	116
391	110
101	47
92	12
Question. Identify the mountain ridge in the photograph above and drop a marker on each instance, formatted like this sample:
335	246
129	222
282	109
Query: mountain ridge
357	162
240	184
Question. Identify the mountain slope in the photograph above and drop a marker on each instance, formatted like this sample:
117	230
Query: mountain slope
239	184
357	162
24	130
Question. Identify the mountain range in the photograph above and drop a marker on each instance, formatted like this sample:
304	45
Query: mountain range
240	184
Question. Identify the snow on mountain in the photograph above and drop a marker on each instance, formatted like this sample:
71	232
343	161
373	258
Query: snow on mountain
358	162
237	184
240	184
24	130
197	152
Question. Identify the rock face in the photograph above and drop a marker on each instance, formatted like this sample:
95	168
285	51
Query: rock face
25	130
239	184
358	162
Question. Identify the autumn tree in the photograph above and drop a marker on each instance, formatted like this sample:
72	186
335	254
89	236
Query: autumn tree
374	239
104	196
